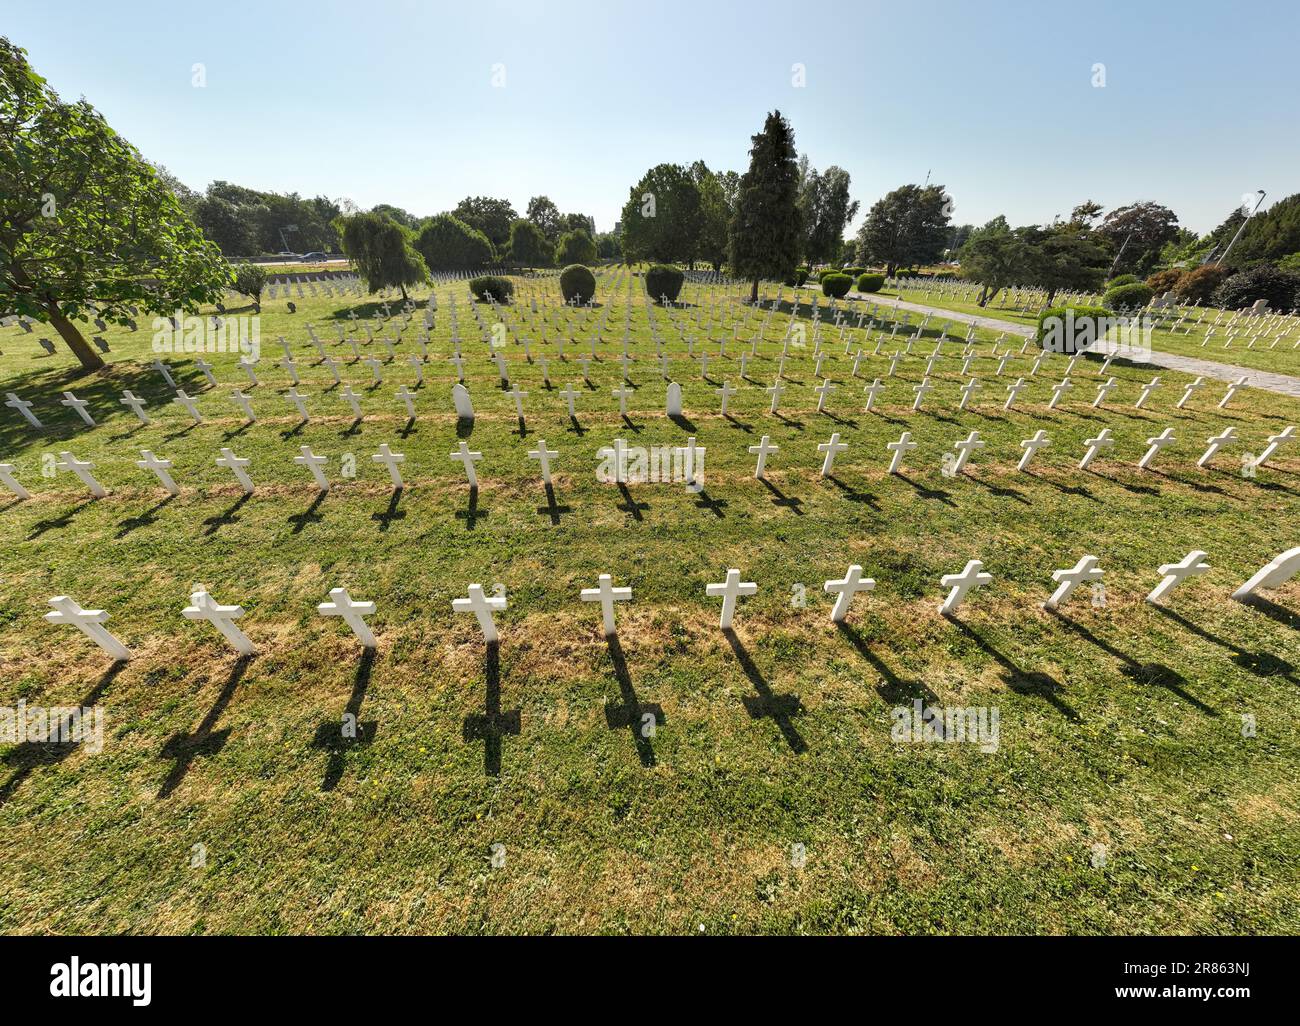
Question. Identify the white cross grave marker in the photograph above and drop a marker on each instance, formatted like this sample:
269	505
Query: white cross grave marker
606	594
732	588
204	607
482	606
844	590
90	623
972	576
1173	574
1067	580
353	614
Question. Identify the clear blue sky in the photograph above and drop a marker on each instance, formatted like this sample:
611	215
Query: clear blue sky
386	101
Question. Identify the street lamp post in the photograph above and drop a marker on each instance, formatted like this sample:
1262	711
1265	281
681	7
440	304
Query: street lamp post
1240	229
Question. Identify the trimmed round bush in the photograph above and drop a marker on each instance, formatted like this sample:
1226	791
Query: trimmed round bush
662	280
500	288
1197	287
577	282
1276	286
868	282
836	285
1061	327
1126	297
1122	279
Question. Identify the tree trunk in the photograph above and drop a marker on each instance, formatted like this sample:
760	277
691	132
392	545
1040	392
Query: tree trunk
753	293
90	360
890	269
1051	294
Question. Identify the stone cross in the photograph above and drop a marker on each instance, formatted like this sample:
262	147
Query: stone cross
11	482
692	462
872	390
965	448
1095	445
973	576
1229	434
726	391
1058	392
844	590
1067	580
83	470
90	623
606	594
900	449
544	456
159	467
1173	574
353	614
299	402
408	400
1147	389
391	460
823	390
1166	437
921	391
1273	575
731	589
137	405
23	407
774	390
204	607
621	394
79	405
191	405
1103	390
161	368
1233	388
1192	387
236	464
244	403
313	463
1274	443
568	394
247	367
761	450
1013	390
831	448
467	459
482	606
1031	446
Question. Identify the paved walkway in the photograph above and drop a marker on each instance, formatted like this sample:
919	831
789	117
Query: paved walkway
1283	384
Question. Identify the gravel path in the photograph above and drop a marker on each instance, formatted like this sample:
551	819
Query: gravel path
1283	384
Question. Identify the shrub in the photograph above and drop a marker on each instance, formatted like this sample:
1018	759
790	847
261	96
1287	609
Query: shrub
250	280
500	288
800	276
577	282
1122	279
836	285
662	280
1197	287
1265	281
576	247
1055	340
1165	281
868	282
1127	296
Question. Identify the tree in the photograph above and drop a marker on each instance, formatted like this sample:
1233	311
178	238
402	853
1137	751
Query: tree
1137	233
250	280
607	247
766	229
224	224
1271	235
906	228
1085	214
578	223
492	217
827	211
661	219
396	213
529	246
1062	257
383	252
715	216
86	225
546	215
575	248
449	244
995	257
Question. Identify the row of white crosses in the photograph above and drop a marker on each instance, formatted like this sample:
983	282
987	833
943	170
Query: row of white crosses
203	607
694	456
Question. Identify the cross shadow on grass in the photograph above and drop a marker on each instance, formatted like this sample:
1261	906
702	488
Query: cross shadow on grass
1033	683
333	737
28	755
780	709
892	688
183	749
631	714
492	725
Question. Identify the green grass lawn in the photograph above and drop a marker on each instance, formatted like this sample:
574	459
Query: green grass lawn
1123	795
1188	340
